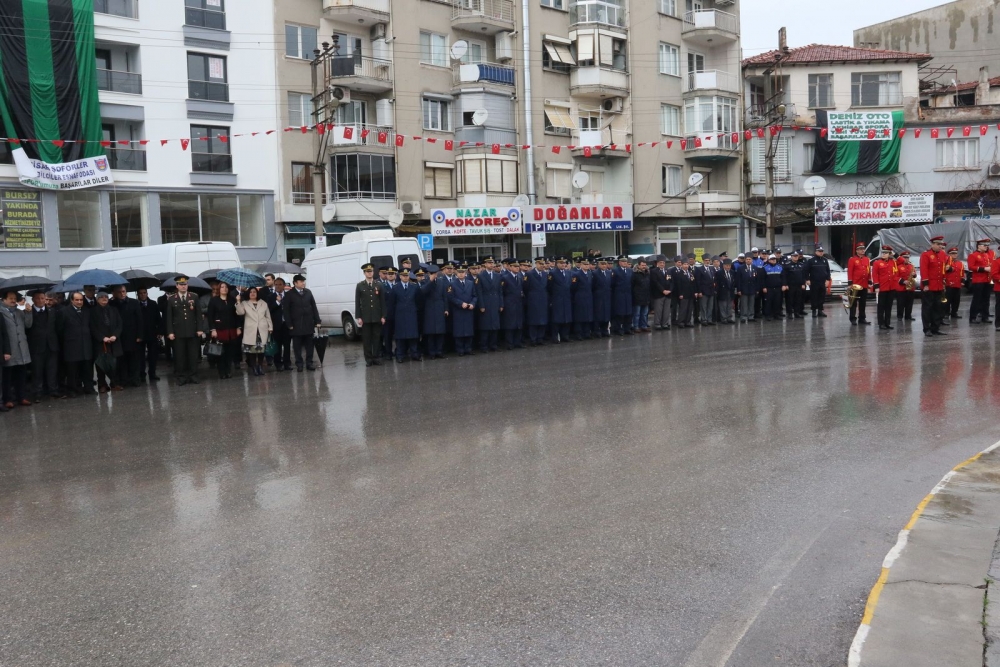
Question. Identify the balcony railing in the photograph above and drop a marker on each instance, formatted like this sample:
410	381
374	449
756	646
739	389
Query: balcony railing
119	82
483	72
131	159
363	66
498	10
714	200
212	163
710	141
597	11
127	8
356	135
205	18
207	90
713	79
710	19
603	197
485	135
307	198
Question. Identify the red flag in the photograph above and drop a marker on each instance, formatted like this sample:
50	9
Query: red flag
58	143
304	129
184	144
105	143
916	132
736	137
383	136
684	144
901	133
628	148
399	140
223	138
775	129
480	143
462	143
449	145
823	132
416	138
670	144
697	142
966	131
555	149
760	133
16	142
641	144
653	145
123	142
871	134
364	132
982	130
571	146
349	131
613	147
329	127
269	132
321	129
885	132
432	140
495	149
525	147
951	131
203	138
587	152
935	133
143	142
748	135
795	127
163	142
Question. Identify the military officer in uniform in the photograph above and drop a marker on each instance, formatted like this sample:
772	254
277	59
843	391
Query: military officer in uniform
462	304
184	331
602	298
818	276
621	297
406	317
512	317
490	301
536	293
435	312
388	328
561	297
583	300
369	309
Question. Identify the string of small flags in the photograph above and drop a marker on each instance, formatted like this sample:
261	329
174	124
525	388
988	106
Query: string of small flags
388	138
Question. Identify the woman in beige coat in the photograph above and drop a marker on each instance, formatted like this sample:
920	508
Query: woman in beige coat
257	328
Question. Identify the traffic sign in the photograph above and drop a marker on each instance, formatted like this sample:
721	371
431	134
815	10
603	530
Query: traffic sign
425	241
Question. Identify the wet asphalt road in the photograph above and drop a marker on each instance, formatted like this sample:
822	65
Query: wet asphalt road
691	498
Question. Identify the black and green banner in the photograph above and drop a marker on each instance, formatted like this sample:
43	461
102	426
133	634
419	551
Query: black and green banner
48	93
865	154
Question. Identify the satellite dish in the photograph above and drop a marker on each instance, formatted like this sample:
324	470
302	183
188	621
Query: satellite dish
695	180
329	212
479	117
814	185
521	201
395	218
459	49
580	179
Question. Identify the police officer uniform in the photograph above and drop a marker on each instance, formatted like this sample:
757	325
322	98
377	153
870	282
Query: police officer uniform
369	308
795	272
561	298
490	299
602	298
817	276
512	317
435	315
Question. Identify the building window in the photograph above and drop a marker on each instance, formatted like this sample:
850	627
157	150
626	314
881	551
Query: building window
589	123
210	150
821	91
300	41
207	77
363	176
782	162
712	114
488	175
670	59
557	182
129	220
437	115
300	109
958	153
555	4
438	181
558	120
79	220
302	184
433	49
672	180
476	53
671	120
557	57
238	219
668	7
126	8
876	89
205	14
808	156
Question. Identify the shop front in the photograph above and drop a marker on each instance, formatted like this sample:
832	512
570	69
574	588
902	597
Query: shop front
722	235
578	230
468	234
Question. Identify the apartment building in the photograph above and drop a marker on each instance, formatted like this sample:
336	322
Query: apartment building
166	70
582	82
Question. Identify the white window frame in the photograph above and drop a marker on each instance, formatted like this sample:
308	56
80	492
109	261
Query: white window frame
436	56
808	157
670	59
553	4
670	120
782	160
300	53
436	170
669	173
509	178
957	153
558	179
484	58
300	109
668	7
814	87
893	94
436	114
588	122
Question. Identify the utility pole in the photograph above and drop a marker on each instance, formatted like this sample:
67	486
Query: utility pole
773	112
324	103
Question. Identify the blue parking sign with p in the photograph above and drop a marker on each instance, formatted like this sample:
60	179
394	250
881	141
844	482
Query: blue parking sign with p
425	241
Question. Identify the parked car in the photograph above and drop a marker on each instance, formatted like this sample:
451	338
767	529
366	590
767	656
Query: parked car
838	277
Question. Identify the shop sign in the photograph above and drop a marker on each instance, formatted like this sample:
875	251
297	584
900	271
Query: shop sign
21	220
859	126
475	221
579	218
874	209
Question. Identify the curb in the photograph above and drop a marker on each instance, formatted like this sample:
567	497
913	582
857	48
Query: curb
888	626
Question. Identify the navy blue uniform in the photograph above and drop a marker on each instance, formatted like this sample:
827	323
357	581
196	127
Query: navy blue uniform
389	328
435	321
490	300
602	302
561	298
463	326
621	300
795	277
406	317
583	303
536	293
774	280
512	317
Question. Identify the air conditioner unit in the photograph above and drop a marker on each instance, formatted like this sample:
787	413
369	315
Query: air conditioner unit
565	201
378	31
994	169
341	94
613	104
504	42
410	207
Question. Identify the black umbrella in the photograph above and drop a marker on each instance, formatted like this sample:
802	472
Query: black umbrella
319	343
210	274
139	279
196	285
277	267
167	275
22	283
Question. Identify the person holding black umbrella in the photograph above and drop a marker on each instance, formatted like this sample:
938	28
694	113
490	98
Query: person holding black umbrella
152	329
43	343
184	329
131	338
224	327
76	346
302	317
106	330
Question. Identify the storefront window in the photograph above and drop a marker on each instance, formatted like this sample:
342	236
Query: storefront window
15	271
578	245
252	221
219	218
179	218
129	220
236	219
709	241
79	220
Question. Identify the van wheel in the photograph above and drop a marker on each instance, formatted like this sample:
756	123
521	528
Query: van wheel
350	328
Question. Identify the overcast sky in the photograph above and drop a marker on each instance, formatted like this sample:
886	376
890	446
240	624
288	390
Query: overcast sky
814	22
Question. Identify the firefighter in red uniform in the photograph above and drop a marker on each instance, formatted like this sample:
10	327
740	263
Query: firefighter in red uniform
885	279
904	292
995	276
859	273
979	265
953	282
933	267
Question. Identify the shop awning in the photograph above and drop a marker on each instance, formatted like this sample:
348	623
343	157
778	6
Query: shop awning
559	117
310	228
559	53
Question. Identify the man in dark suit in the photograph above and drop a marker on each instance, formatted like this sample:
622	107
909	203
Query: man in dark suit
76	346
302	317
132	341
152	327
661	284
273	296
724	290
704	278
43	344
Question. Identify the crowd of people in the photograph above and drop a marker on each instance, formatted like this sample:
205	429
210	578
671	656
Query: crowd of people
93	341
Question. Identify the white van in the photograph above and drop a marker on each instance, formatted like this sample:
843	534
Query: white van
334	272
189	258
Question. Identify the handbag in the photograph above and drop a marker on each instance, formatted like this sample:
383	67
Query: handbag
213	349
271	347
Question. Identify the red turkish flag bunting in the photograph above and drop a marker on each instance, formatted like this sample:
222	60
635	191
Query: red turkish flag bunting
670	144
321	129
399	140
653	145
823	132
983	129
349	131
143	142
735	138
571	146
304	128
364	132
269	132
163	142
775	129
58	143
184	144
449	145
901	133
951	131
916	132
760	133
628	148
383	136
495	149
432	140
697	142
124	142
684	144
462	143
223	138
525	147
480	143
935	133
416	138
748	135
871	134
105	143
16	142
329	127
966	131
885	132
555	149
587	152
